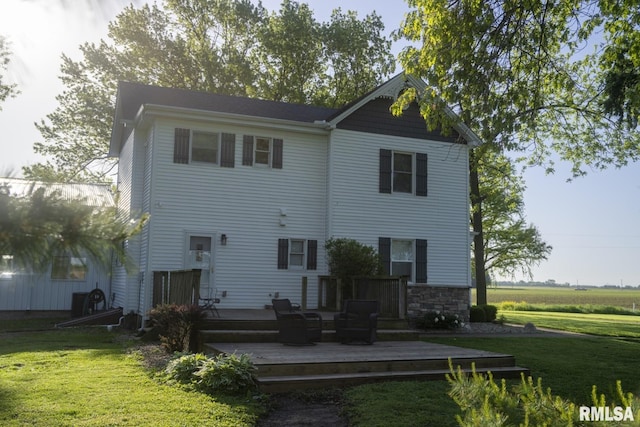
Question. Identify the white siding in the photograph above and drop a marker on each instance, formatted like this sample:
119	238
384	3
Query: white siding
243	202
358	210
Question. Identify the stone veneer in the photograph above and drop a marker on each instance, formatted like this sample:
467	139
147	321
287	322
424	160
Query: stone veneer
451	300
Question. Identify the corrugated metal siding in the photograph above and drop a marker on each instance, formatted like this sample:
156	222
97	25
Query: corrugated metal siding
244	203
39	292
358	210
89	194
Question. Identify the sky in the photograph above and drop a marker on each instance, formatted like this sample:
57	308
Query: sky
593	223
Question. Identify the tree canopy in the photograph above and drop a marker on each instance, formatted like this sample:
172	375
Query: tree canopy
229	47
7	90
511	243
521	74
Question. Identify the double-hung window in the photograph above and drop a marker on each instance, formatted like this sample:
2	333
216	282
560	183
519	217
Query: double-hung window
197	146
404	257
295	254
262	150
205	147
403	172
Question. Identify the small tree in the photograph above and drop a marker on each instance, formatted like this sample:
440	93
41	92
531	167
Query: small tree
349	258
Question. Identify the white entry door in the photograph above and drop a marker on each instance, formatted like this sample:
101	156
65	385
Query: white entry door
200	255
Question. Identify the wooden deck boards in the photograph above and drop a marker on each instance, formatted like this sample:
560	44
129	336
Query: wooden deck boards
329	352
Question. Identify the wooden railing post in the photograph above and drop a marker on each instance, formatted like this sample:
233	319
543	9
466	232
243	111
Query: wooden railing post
303	303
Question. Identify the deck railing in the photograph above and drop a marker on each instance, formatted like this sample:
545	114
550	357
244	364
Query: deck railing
391	292
176	287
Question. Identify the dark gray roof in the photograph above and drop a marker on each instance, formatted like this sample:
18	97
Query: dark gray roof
133	95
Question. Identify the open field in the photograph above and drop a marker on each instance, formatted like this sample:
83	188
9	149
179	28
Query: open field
623	298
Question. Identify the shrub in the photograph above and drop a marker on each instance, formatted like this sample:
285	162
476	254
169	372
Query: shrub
182	368
438	320
227	373
485	403
176	325
477	314
348	258
483	313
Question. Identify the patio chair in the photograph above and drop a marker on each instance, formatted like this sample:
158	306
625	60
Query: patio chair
296	327
208	303
358	321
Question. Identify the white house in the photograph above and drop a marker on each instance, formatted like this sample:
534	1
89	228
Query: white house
249	190
24	289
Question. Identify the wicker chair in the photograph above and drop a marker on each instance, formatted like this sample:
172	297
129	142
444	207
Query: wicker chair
296	327
357	322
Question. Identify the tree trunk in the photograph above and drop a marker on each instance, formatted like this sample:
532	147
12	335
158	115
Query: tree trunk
478	239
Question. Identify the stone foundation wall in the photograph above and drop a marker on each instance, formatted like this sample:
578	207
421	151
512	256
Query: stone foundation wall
424	298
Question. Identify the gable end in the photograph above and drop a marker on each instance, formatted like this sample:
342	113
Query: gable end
375	117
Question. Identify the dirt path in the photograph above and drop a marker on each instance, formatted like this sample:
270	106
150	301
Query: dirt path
306	411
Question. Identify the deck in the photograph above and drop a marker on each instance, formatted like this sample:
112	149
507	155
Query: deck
283	368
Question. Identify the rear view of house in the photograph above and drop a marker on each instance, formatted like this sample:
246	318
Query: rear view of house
248	191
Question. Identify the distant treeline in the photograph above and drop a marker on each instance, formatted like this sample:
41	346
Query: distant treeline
554	284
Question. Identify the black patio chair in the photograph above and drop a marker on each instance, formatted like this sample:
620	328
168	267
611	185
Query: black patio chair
296	327
358	321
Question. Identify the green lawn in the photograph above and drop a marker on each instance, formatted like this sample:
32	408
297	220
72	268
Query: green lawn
569	366
83	377
594	324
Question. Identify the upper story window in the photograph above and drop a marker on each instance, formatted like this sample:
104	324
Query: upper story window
195	146
402	172
259	150
205	147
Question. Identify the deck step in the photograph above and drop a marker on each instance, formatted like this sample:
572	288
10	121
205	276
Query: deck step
283	384
268	335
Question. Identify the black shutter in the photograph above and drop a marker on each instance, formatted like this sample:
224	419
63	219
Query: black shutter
384	251
421	261
276	161
421	174
181	146
228	150
283	254
385	171
247	150
312	255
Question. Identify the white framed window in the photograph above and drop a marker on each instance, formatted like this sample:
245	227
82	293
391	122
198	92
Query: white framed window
296	253
402	258
205	147
402	172
66	267
263	147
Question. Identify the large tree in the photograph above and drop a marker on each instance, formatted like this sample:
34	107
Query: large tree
511	244
516	73
224	46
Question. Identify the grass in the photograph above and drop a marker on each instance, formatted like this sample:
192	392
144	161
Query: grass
569	366
594	324
83	377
